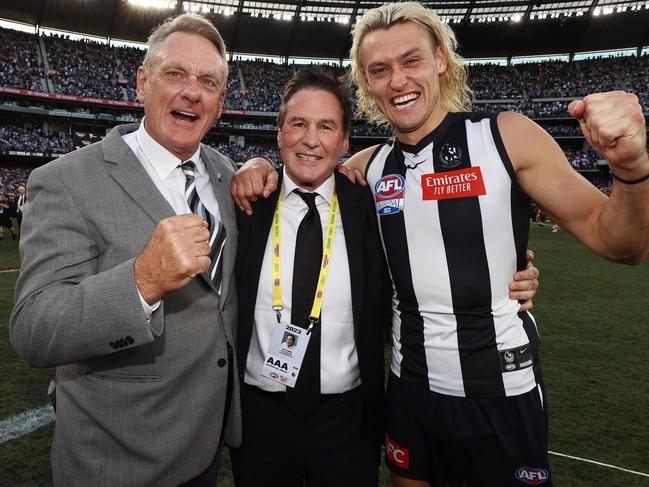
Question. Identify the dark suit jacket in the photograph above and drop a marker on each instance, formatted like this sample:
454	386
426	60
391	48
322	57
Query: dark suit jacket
371	289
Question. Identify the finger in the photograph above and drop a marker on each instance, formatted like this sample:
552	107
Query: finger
189	220
360	178
271	184
199	234
526	305
576	108
244	203
344	170
529	254
202	249
234	191
257	183
525	275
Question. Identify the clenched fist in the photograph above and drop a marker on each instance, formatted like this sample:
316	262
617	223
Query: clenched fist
177	251
614	125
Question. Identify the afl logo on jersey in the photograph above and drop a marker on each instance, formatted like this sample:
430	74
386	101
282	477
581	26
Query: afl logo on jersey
390	197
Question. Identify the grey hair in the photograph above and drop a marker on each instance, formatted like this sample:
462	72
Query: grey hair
190	23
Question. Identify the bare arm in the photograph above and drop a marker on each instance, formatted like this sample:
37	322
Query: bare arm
615	228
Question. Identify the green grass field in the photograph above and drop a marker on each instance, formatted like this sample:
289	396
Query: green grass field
595	351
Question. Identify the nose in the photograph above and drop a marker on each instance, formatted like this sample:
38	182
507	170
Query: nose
397	79
191	90
310	137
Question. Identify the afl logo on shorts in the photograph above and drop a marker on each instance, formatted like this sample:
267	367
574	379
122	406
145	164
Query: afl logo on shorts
532	476
390	197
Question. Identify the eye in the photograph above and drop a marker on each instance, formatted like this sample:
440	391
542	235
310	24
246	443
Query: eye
209	83
174	74
378	71
412	60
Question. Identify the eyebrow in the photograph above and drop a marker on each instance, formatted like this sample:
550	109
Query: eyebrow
322	120
414	50
410	52
182	67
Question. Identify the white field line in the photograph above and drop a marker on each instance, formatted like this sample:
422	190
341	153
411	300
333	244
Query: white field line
25	423
29	421
3	271
586	460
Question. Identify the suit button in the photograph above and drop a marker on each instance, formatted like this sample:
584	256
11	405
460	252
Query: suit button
221	362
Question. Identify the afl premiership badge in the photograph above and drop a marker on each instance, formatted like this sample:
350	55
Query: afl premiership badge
390	194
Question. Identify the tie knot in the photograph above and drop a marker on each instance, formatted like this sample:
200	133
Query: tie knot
309	199
188	167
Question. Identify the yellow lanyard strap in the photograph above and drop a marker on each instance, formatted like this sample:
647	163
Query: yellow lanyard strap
324	265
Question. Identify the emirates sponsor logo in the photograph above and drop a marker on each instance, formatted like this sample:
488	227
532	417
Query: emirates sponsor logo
453	184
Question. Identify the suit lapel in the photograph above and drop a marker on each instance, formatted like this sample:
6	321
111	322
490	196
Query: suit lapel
124	167
352	214
226	213
253	235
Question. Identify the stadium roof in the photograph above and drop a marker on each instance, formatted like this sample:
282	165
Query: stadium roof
320	28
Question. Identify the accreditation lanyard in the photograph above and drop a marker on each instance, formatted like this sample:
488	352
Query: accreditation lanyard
324	266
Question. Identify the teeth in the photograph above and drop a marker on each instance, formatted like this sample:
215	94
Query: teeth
187	114
405	98
307	157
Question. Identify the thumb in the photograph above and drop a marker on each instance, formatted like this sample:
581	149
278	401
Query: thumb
576	108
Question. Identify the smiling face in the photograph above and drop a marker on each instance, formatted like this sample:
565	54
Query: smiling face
403	68
312	138
183	92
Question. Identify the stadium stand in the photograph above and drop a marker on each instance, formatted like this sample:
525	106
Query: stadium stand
57	65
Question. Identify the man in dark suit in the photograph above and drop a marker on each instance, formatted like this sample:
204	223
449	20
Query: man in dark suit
127	282
328	426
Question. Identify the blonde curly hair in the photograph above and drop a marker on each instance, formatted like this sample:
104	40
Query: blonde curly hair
455	94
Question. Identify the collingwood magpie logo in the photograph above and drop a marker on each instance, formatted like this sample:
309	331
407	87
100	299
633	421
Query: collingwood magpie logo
450	155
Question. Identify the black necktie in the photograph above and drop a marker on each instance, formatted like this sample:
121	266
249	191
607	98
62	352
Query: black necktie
217	232
304	398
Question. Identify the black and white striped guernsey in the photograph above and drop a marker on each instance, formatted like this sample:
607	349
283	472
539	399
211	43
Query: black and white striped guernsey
454	226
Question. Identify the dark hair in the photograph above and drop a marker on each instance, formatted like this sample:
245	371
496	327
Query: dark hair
318	79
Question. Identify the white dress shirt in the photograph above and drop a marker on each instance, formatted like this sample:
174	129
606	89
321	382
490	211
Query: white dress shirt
164	170
339	370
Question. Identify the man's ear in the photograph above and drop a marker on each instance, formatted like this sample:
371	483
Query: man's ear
142	79
442	62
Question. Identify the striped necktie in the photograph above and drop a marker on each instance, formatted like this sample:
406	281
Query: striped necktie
217	231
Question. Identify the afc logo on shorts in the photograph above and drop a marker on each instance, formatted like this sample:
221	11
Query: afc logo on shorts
532	476
398	455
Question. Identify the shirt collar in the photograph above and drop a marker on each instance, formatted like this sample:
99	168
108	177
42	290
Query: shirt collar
325	190
163	161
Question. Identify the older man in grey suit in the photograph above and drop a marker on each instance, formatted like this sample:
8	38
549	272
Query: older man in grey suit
128	249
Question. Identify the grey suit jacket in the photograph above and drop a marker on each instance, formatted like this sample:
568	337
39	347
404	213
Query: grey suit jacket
138	404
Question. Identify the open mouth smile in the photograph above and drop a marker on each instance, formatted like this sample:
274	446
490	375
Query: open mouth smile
404	101
184	116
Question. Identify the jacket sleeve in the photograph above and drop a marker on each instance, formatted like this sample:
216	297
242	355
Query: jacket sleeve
67	309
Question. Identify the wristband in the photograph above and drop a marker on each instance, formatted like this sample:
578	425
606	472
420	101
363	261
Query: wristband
629	181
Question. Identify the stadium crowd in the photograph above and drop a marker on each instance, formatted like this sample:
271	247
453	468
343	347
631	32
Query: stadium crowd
96	70
13	138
